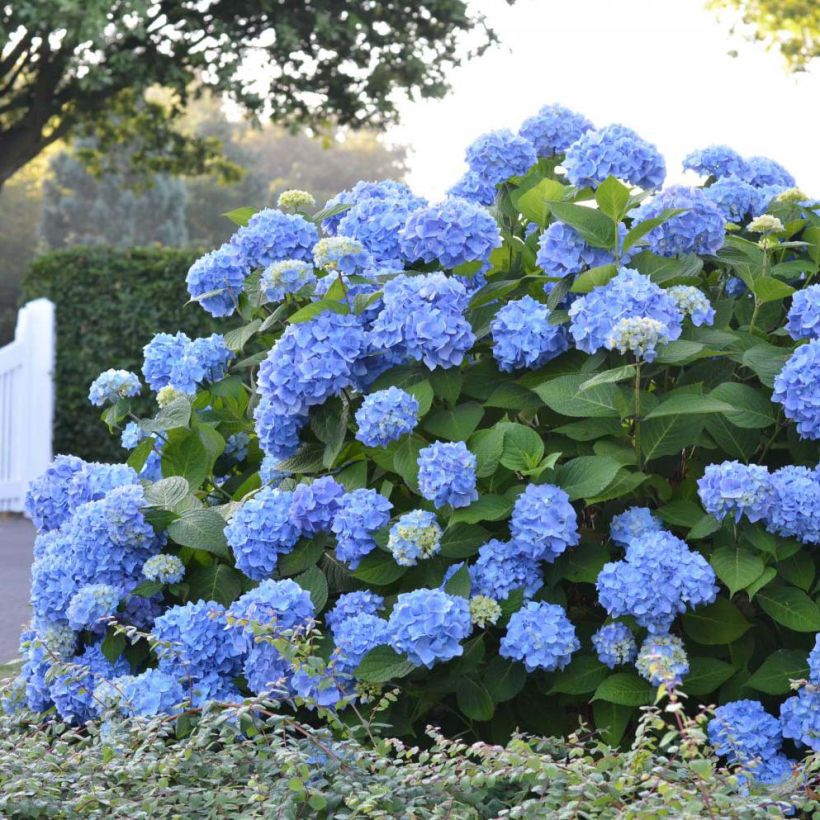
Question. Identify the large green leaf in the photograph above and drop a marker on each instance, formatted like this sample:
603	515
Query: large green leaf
462	540
717	623
523	448
596	228
383	664
684	403
379	568
185	455
612	197
314	581
217	582
488	508
611	720
737	568
706	675
474	699
202	530
406	457
587	476
564	395
584	674
624	689
790	607
504	679
669	435
750	408
766	361
774	675
487	446
454	424
167	492
535	202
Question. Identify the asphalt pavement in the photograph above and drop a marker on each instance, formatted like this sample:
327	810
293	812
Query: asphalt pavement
16	545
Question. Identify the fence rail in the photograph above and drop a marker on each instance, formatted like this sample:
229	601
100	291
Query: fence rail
26	402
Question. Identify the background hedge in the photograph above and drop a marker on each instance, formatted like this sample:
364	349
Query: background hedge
110	302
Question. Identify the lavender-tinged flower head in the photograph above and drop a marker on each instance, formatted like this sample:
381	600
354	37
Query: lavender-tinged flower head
361	191
447	474
633	523
732	488
474	188
314	506
800	718
541	636
151	693
715	161
386	416
762	171
46	500
797	388
543	523
794	511
351	604
744	733
738	201
500	569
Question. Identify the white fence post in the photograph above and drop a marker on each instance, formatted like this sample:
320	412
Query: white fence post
26	402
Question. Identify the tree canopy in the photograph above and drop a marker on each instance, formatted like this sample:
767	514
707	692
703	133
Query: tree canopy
85	67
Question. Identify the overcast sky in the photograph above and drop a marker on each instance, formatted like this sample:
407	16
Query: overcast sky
661	67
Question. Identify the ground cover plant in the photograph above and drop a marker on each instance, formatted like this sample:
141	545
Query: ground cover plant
541	453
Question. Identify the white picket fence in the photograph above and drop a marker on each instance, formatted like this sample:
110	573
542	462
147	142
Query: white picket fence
26	402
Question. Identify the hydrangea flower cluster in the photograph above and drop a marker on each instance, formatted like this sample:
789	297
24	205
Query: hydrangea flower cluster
794	511
414	537
800	717
693	303
617	151
658	579
355	637
90	604
500	569
181	363
473	188
662	660
540	636
113	385
524	337
341	253
260	531
563	251
553	129
699	229
362	602
498	155
165	569
271	236
216	279
484	611
803	320
386	416
447	474
290	276
47	496
638	335
716	161
422	318
615	644
278	432
295	200
361	191
633	523
543	523
451	233
797	388
629	295
314	506
428	626
736	199
736	489
359	515
762	171
151	693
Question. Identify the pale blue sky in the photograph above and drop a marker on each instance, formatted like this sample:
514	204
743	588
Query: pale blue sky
659	66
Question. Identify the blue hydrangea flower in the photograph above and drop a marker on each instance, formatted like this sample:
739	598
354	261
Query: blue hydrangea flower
735	287
615	644
498	155
386	416
447	474
361	191
715	161
540	636
474	188
163	568
762	171
311	362
269	474
415	536
351	604
72	688
194	641
287	277
803	321
700	229
260	531
500	569
160	356
355	637
93	481
553	129
633	523
614	151
152	693
800	717
428	626
178	362
638	335
271	236
814	662
524	337
278	432
543	523
736	489
90	604
629	295
736	200
341	253
236	446
314	506
216	279
662	660
658	579
451	233
112	385
797	388
744	733
266	670
358	515
132	435
423	319
46	501
774	771
693	303
794	511
563	251
376	223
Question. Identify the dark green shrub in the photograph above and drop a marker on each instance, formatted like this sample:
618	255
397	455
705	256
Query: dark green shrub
110	302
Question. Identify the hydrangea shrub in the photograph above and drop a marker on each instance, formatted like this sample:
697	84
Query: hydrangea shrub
527	456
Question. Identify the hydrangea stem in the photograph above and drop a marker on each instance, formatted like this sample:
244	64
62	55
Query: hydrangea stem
636	432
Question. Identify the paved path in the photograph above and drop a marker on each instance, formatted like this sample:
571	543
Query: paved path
16	543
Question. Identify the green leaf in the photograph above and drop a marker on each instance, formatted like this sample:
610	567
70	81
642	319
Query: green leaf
147	588
175	414
523	448
595	228
459	584
766	361
750	408
625	483
462	540
379	568
737	568
590	429
717	623
217	582
423	393
487	446
586	476
584	674
487	508
202	530
680	513
312	310
583	564
773	676
112	646
612	197
706	675
139	455
669	435
637	232
303	556
512	396
504	679
447	384
405	459
769	289
737	442
679	352
237	338
454	424
624	689
790	607
314	581
564	395
186	456
474	700
240	216
619	374
682	403
611	720
535	202
309	458
167	492
593	278
768	575
383	664
798	569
